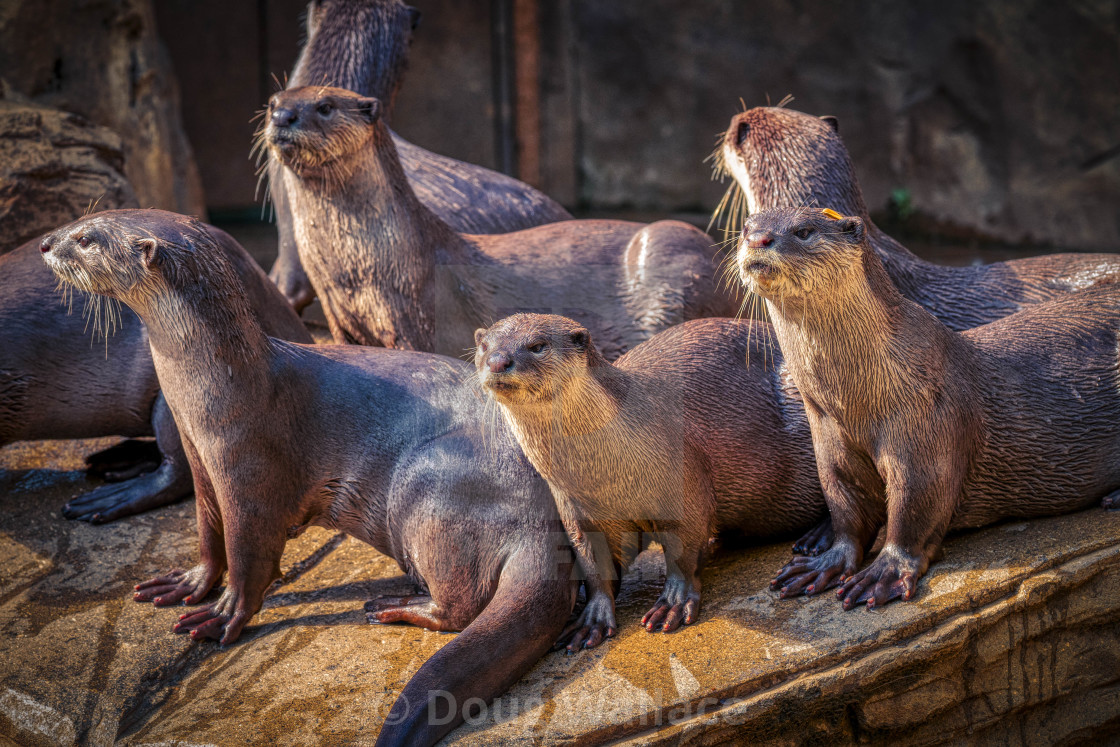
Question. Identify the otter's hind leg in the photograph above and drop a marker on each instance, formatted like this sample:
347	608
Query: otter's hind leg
123	461
419	610
1111	501
170	482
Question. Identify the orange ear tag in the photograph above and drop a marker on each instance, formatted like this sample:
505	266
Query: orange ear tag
832	214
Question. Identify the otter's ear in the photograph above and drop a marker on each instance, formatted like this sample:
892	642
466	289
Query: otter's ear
478	335
832	122
580	338
149	252
414	16
852	227
370	108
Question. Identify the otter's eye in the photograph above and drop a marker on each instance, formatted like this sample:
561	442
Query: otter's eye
83	242
741	135
538	347
324	108
803	233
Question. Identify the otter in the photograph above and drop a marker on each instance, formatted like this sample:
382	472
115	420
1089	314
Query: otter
654	447
921	427
57	380
383	445
780	157
783	158
390	272
362	45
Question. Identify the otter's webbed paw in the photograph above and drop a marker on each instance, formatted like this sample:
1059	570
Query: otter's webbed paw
593	625
679	603
419	610
816	540
188	587
893	574
221	620
808	575
1111	501
166	485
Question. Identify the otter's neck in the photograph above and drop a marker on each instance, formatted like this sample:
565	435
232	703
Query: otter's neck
371	247
553	433
844	344
207	349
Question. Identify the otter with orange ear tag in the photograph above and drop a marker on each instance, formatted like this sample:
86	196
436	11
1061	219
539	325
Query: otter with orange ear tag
920	428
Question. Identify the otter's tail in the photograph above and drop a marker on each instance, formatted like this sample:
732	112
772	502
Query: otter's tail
519	626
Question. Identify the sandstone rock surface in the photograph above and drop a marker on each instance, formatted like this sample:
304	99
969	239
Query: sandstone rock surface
102	59
1015	639
53	167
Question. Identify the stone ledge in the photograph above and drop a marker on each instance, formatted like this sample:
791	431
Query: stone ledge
1015	637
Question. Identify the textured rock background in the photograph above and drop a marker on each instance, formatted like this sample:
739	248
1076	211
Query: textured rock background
103	60
999	118
53	167
1014	639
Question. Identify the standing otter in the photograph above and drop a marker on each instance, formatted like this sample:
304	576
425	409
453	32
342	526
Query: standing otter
390	272
57	381
382	445
362	45
783	158
654	447
918	425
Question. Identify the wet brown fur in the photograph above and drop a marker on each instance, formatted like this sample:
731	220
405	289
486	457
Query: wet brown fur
66	372
390	272
362	45
383	445
653	447
783	158
923	428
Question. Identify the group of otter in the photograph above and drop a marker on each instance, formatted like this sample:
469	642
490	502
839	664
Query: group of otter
640	409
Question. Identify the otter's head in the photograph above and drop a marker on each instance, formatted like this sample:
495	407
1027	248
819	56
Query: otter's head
357	44
791	253
527	358
316	131
134	255
780	157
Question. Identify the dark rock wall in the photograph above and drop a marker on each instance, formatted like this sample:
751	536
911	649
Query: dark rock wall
998	117
54	166
102	59
227	54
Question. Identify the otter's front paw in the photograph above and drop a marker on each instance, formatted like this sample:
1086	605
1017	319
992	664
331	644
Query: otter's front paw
892	575
188	587
594	624
679	603
222	620
805	575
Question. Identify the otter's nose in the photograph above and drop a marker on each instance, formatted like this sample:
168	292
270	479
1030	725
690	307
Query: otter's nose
499	362
45	246
759	239
282	117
